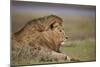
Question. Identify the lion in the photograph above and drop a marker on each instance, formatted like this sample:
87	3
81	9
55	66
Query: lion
40	38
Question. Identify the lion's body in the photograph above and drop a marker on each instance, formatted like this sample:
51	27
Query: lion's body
38	38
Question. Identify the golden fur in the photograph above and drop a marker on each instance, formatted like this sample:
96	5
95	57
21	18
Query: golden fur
41	34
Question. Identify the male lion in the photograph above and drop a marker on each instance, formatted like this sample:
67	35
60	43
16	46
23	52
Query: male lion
39	39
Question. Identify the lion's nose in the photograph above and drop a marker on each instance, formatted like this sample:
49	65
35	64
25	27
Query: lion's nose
66	37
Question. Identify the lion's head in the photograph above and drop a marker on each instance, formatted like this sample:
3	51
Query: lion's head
45	31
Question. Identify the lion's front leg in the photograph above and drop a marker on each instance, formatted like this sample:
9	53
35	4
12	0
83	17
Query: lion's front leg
60	56
50	55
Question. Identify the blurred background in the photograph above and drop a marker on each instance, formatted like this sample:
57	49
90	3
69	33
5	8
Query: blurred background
79	24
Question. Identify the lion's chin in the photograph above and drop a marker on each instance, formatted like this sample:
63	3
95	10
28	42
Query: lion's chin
62	43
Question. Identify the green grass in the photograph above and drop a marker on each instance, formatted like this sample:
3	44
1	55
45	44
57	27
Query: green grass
84	50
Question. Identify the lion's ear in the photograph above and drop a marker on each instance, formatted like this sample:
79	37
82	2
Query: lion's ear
54	25
51	22
50	25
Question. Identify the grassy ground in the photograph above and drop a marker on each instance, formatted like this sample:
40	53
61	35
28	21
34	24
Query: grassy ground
84	50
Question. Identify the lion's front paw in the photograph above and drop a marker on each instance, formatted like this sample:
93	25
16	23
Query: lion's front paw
68	58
